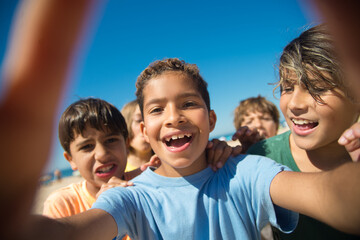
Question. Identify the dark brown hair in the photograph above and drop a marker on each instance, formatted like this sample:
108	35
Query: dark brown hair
157	68
98	113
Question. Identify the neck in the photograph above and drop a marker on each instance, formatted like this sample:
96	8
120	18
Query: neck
181	167
92	189
320	159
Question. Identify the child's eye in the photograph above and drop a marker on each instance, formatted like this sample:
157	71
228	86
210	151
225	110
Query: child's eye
247	123
287	89
266	119
112	140
189	104
86	147
155	110
320	90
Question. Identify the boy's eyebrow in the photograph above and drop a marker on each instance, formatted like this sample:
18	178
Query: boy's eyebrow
182	95
79	144
88	140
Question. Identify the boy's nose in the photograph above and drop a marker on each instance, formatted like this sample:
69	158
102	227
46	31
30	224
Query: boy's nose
298	100
101	153
257	123
174	116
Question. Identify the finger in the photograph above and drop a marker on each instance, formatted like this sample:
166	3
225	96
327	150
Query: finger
211	151
218	151
350	134
209	144
353	145
239	133
126	184
224	157
236	150
115	180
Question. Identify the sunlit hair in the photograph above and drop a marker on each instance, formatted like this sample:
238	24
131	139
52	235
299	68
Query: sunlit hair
255	104
160	67
92	112
312	56
128	112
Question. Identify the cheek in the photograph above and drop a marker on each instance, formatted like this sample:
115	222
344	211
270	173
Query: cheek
271	127
135	128
283	104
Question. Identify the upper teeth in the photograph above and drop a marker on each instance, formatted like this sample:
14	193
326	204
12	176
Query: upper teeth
301	121
105	169
174	137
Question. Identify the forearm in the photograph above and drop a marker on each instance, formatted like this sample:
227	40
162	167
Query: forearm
34	71
341	197
331	197
92	224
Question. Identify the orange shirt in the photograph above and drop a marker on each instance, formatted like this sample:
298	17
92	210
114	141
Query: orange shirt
68	201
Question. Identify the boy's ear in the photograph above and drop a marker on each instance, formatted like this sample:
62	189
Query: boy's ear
69	159
144	132
212	120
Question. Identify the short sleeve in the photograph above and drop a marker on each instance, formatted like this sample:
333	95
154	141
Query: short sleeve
256	173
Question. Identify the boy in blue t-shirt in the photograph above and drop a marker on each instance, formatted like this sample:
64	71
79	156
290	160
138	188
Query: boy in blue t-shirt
185	198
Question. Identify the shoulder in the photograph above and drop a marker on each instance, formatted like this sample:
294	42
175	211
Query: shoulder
65	192
63	202
267	146
249	165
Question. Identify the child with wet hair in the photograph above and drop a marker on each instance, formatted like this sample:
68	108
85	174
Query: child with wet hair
318	108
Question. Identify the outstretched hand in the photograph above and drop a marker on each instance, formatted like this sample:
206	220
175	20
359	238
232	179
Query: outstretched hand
247	137
350	139
217	152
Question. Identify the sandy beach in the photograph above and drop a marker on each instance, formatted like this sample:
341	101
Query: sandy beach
45	190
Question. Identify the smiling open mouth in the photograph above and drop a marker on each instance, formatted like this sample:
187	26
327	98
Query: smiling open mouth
304	124
178	140
106	169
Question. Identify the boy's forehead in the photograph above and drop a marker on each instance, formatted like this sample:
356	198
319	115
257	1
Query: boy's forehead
88	129
166	78
254	111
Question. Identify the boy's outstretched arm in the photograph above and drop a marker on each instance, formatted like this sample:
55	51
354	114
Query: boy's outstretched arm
331	197
91	224
34	73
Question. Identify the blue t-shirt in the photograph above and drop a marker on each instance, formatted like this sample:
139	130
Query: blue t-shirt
231	203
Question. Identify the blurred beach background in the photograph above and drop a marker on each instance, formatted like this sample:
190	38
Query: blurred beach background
236	45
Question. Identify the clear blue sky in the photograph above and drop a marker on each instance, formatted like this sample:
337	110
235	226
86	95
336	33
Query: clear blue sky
235	43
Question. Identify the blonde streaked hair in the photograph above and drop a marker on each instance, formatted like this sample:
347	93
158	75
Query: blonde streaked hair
312	54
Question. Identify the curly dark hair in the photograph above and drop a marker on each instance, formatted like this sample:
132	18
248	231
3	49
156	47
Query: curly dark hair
157	68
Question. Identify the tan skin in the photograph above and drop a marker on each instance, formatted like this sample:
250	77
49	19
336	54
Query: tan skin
316	148
28	79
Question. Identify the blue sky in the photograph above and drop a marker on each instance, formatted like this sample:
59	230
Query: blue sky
235	43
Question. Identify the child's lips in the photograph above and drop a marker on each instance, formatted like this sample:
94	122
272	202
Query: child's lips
303	126
106	171
178	142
